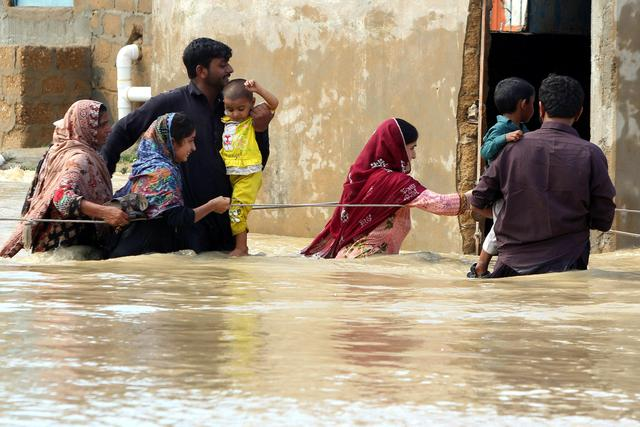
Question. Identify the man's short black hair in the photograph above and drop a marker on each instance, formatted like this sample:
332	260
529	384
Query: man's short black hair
561	96
509	92
201	51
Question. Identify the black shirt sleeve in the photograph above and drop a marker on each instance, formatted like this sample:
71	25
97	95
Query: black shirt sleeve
128	129
179	216
262	138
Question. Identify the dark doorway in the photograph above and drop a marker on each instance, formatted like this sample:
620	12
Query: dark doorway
533	57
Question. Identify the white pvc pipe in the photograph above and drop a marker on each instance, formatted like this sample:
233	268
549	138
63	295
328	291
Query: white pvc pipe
127	93
139	93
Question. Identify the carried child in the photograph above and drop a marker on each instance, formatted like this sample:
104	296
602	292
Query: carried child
514	98
241	153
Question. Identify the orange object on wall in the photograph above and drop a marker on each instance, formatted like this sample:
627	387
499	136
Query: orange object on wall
508	15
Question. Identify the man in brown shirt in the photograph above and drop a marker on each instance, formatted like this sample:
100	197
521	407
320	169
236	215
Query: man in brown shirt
555	187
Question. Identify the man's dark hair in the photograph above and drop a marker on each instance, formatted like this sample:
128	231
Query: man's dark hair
409	131
181	126
103	109
509	92
235	89
201	51
561	96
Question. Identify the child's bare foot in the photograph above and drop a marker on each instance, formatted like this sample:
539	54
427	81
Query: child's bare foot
239	252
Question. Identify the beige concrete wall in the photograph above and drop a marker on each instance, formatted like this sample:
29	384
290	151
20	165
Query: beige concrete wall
603	100
615	108
339	68
627	127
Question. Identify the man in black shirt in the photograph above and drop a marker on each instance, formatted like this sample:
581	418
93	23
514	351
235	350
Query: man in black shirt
204	174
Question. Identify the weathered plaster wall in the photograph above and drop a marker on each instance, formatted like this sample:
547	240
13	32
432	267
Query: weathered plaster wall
627	125
603	100
615	108
101	27
339	68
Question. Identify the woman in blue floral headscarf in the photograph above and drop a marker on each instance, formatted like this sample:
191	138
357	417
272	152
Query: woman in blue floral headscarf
156	176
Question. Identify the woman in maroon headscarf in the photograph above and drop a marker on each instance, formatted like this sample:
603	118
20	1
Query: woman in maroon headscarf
71	182
380	176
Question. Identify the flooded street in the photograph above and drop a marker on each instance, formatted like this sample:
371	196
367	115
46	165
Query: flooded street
277	339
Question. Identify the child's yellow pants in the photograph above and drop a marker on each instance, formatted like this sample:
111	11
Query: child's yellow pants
245	191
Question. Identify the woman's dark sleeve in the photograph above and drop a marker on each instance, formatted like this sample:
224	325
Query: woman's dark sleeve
179	216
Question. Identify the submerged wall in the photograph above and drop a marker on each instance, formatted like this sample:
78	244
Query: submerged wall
338	68
615	107
627	172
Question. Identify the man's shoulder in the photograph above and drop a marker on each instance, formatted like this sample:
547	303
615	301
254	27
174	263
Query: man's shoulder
167	101
172	93
594	149
541	136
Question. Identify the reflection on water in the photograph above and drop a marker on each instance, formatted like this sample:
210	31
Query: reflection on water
283	340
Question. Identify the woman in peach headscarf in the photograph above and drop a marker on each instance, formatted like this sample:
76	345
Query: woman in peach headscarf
72	182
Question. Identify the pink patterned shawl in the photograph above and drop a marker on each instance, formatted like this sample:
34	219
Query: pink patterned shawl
72	154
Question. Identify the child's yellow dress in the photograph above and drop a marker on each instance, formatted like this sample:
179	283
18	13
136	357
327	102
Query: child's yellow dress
242	157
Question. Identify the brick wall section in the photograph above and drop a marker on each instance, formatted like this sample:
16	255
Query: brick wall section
115	23
38	85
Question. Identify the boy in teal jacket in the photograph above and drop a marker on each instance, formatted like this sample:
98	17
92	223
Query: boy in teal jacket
514	98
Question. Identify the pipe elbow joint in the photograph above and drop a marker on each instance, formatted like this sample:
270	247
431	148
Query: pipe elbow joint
127	54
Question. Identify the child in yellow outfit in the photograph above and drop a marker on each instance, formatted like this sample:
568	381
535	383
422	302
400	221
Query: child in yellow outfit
241	154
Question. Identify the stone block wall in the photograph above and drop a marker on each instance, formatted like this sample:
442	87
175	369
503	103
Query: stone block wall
42	69
114	24
37	85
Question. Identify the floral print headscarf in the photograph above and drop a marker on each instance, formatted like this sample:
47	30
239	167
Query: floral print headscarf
156	174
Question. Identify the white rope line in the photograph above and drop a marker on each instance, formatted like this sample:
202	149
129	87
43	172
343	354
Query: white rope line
257	206
624	233
70	221
627	210
318	205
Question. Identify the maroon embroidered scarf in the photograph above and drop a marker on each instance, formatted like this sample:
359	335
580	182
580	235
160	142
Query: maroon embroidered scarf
378	176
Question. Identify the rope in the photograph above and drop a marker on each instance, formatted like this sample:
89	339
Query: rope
624	233
318	205
287	206
628	210
257	206
72	221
